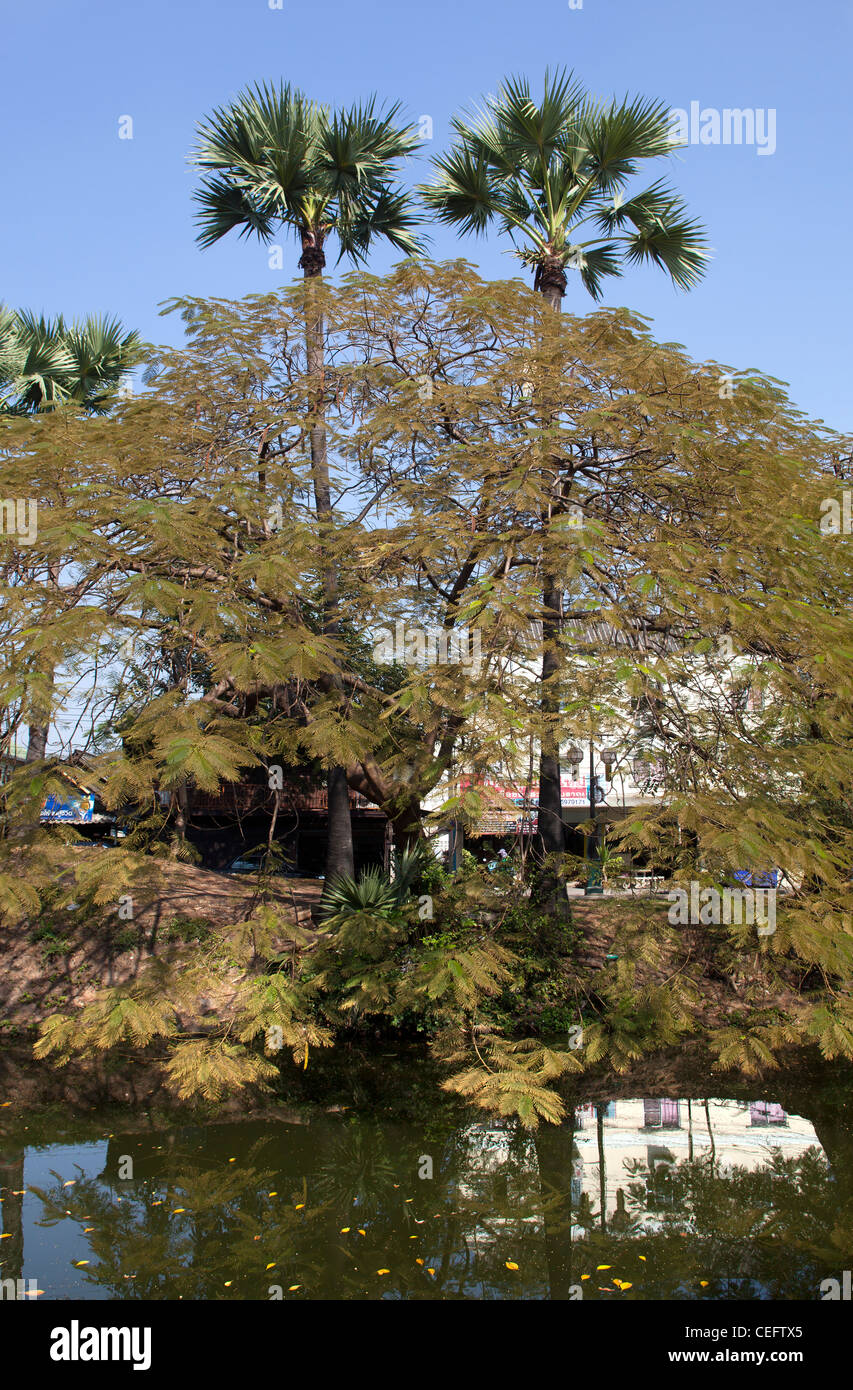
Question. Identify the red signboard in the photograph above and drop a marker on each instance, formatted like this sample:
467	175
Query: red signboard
526	796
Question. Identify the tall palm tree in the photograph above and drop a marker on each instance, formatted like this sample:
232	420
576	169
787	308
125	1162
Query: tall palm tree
276	159
45	363
553	176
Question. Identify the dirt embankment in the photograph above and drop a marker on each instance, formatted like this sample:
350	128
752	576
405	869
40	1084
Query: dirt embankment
752	979
61	964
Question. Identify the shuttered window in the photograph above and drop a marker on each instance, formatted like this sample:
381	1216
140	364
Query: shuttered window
661	1114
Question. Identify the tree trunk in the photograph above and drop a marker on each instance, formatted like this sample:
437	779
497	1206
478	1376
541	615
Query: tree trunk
549	892
36	743
555	1148
340	859
406	823
550	282
11	1213
38	733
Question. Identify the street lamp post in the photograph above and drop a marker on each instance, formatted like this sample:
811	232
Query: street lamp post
595	872
594	885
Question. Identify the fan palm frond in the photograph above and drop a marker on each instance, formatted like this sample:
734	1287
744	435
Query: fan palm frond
541	169
275	158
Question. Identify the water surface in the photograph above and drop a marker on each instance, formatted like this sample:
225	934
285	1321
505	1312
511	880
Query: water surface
664	1184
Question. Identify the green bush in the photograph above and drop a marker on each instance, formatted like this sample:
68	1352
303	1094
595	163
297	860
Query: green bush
181	928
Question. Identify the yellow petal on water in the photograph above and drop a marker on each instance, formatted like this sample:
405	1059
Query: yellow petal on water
5	1103
272	1194
430	1271
294	1287
33	1293
7	1235
510	1264
78	1263
176	1210
642	1257
410	1199
420	1262
87	1229
584	1276
361	1232
703	1283
383	1271
232	1160
345	1230
70	1182
604	1266
626	1284
228	1283
395	1184
271	1266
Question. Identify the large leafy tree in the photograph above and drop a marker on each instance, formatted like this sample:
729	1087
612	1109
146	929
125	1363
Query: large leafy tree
275	159
679	563
555	176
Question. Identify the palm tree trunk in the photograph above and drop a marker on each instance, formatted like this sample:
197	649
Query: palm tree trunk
551	284
37	734
340	859
551	832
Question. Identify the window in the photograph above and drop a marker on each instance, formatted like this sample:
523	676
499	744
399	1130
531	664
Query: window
661	1114
765	1112
590	1111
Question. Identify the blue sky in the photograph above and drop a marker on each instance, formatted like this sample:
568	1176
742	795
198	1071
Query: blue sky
94	223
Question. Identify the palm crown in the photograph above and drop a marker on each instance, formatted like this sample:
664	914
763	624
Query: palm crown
553	176
46	362
275	157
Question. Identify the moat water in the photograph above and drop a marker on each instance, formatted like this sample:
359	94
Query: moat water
369	1182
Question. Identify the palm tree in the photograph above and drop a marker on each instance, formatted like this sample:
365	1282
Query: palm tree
553	176
45	363
275	159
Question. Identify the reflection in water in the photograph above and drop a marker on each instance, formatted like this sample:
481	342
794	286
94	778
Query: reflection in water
683	1197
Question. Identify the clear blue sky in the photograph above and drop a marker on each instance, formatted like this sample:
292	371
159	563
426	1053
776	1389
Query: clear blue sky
94	223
